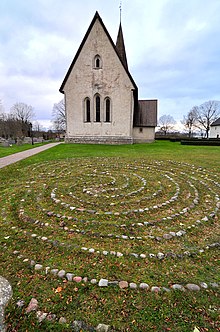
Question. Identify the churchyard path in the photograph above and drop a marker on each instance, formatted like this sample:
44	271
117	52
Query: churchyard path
13	158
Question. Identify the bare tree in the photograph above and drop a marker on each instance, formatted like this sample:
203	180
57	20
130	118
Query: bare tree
23	113
206	114
190	120
37	126
9	126
59	116
166	123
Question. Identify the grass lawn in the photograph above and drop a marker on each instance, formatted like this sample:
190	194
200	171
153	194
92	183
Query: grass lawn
8	150
145	214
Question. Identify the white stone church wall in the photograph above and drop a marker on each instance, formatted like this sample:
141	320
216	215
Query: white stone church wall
143	134
215	132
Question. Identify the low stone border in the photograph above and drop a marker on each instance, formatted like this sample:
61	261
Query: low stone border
158	255
76	325
70	277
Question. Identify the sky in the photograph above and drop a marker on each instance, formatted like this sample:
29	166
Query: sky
172	46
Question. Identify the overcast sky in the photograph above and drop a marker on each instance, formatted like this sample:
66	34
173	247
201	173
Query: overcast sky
173	49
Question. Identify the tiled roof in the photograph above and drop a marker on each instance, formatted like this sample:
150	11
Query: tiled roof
146	114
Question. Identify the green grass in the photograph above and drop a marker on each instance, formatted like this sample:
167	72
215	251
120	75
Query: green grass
8	150
94	180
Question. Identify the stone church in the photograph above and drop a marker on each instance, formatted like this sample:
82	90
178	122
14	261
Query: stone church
101	96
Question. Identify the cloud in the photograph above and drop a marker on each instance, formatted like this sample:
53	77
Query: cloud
172	49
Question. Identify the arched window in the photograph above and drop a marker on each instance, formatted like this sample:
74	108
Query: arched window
87	110
97	62
97	108
107	110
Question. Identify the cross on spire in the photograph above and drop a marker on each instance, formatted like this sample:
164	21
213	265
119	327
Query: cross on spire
120	7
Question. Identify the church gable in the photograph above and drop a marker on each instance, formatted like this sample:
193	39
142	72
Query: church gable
101	96
98	34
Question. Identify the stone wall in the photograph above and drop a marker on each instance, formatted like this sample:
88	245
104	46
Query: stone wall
99	140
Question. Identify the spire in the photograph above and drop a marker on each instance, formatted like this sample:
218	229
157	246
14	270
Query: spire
120	46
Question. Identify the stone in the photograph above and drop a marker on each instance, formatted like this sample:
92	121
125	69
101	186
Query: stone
41	316
61	274
123	284
77	279
177	287
47	269
135	255
151	255
142	256
69	276
78	326
133	285
38	267
5	296
165	289
32	306
203	285
180	233
143	285
160	255
103	328
54	271
155	289
103	283
193	287
167	236
20	303
62	320
93	281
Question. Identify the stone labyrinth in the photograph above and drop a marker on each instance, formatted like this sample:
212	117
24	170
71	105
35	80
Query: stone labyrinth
111	220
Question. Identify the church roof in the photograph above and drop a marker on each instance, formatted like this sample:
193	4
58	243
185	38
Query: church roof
121	58
216	122
120	46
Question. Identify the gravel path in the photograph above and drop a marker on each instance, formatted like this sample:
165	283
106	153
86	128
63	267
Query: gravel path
13	158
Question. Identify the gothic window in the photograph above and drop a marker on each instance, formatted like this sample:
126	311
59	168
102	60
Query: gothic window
87	110
97	108
97	62
107	110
